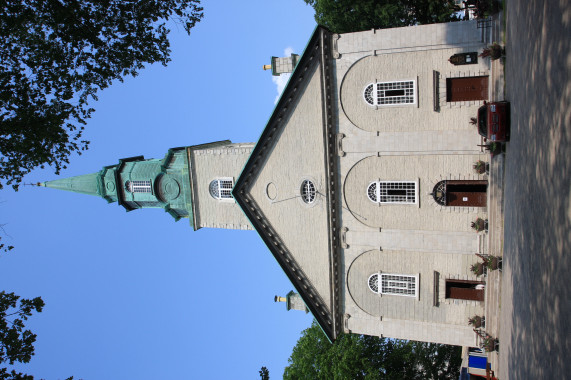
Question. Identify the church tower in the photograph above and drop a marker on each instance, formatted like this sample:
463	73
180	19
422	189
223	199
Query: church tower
193	182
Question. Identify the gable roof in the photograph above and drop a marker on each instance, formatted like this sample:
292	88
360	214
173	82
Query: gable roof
322	299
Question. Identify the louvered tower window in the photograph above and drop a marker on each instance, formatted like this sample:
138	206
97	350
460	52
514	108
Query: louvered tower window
138	186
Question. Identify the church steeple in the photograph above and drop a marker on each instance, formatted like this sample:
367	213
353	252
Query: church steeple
193	182
136	183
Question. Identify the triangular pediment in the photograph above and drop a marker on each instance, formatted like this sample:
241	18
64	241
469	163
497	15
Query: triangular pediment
296	146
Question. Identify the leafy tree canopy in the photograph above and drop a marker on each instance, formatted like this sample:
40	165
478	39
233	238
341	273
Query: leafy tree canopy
13	375
365	357
342	16
16	343
264	373
54	58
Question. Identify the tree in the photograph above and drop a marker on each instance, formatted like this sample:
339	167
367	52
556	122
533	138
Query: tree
16	344
365	357
264	374
13	375
342	16
56	55
430	11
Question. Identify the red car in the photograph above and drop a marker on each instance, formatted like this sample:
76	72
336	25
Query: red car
494	121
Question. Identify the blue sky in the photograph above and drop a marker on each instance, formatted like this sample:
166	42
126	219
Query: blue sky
136	295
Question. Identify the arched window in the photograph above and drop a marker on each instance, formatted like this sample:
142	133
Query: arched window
138	186
390	93
439	193
374	283
401	192
308	192
394	284
221	188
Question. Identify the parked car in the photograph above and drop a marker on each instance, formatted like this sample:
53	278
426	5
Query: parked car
494	121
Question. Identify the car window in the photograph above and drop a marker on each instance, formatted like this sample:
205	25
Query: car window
483	121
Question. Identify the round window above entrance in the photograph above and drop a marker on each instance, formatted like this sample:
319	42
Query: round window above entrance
374	282
308	192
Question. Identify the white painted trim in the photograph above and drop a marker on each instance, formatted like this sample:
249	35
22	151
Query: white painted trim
220	190
380	276
375	99
378	192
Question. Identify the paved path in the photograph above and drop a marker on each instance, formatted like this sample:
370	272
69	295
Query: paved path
535	314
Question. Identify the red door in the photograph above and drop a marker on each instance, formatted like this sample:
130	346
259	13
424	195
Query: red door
466	89
464	290
466	193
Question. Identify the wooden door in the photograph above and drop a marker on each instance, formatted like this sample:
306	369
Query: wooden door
464	290
466	89
466	193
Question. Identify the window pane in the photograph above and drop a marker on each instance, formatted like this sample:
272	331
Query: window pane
308	192
138	186
221	188
374	283
390	93
392	192
402	285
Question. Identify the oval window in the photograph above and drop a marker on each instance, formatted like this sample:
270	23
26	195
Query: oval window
308	192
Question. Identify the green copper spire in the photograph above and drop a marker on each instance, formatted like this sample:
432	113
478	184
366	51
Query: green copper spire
136	183
188	182
84	184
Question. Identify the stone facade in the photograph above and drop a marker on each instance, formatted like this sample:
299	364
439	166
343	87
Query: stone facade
416	142
334	129
208	163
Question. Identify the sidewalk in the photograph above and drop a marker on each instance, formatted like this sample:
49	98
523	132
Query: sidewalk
495	207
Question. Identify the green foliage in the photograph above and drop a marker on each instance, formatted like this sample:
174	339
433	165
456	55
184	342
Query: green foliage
13	375
342	16
4	247
365	357
264	374
429	11
54	58
16	344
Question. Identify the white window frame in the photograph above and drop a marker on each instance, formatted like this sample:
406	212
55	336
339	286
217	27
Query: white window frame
308	191
394	284
375	94
218	188
139	186
380	192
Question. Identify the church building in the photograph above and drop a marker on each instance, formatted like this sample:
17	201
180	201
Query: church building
362	184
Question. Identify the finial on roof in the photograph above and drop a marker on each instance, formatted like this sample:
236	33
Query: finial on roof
280	299
267	67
